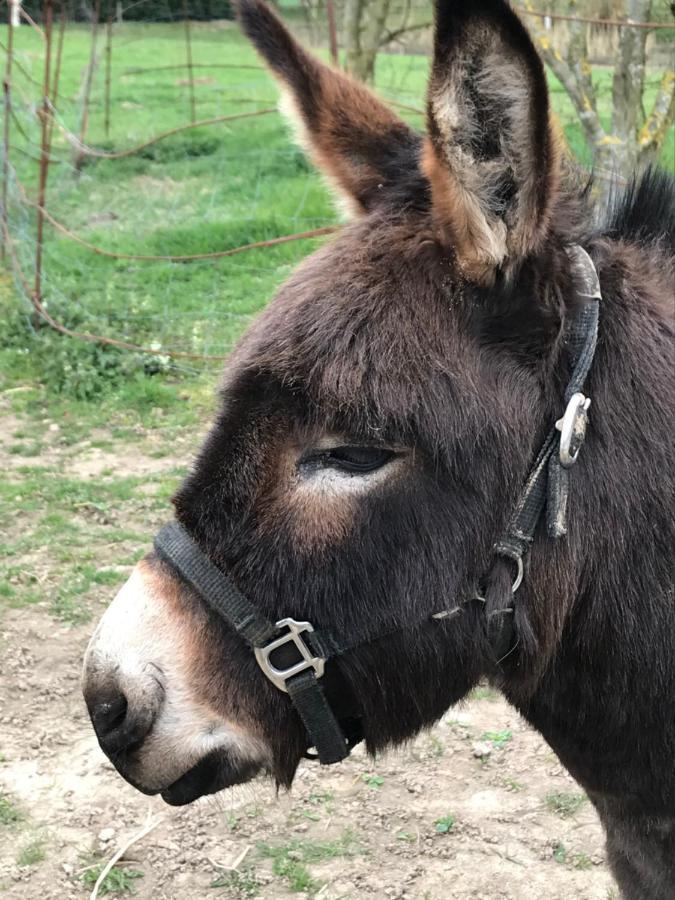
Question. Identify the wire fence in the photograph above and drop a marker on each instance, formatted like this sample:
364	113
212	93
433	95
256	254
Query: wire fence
153	208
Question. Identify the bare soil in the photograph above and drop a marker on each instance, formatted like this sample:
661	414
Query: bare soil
436	820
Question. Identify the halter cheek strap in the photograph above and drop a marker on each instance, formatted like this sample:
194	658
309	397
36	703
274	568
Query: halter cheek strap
293	655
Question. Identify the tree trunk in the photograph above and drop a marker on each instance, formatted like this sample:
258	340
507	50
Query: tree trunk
633	140
364	28
627	89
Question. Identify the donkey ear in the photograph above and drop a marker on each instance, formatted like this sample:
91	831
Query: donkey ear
490	157
351	136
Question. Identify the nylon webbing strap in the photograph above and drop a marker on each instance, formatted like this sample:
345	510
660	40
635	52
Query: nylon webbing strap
215	588
311	705
548	483
221	594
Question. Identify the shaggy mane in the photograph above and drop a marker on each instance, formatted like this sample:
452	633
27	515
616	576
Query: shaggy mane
645	212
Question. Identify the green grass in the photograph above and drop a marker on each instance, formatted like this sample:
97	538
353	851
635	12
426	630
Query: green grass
291	861
196	192
241	884
9	813
374	782
119	880
445	824
33	852
66	526
484	692
498	739
581	861
565	804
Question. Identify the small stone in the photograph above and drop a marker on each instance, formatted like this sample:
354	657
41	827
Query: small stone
481	749
106	835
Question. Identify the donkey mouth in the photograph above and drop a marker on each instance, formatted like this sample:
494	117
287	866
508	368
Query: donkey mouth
213	773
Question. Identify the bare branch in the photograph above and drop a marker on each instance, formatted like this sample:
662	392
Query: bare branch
391	36
575	76
653	132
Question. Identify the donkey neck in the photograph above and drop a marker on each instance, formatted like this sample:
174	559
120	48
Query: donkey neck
609	683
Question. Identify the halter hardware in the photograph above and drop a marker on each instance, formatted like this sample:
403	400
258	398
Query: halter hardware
280	677
547	488
572	428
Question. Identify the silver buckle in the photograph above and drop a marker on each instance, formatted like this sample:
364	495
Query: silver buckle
572	428
279	677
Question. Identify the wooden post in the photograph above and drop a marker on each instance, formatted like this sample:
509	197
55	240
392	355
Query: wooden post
188	49
14	16
6	89
59	54
44	155
79	157
57	70
332	33
108	69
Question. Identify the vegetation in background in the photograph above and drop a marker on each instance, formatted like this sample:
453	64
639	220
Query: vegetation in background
565	804
291	861
119	880
9	814
66	538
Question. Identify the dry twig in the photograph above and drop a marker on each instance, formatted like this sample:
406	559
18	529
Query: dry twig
117	856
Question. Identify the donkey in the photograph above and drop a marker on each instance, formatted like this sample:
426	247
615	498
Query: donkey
362	537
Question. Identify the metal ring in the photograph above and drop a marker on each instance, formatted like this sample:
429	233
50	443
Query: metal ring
520	574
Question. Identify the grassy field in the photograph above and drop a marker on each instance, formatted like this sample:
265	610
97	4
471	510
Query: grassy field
199	191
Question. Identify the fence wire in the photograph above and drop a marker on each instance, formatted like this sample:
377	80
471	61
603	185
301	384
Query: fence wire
153	212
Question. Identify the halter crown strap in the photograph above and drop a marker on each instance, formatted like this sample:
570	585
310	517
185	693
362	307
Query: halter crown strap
548	482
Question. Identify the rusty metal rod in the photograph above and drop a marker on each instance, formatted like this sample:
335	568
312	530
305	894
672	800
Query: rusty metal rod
188	51
108	68
59	55
44	156
7	96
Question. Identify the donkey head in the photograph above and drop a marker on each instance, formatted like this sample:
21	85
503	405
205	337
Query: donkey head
376	424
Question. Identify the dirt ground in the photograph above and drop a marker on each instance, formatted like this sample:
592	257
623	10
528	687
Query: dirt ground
477	808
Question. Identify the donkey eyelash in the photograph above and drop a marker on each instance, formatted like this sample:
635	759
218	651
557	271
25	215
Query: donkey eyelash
348	458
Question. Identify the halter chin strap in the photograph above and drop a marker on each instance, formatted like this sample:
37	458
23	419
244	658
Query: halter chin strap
293	655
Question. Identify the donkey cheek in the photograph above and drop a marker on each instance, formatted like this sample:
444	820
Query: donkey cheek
319	520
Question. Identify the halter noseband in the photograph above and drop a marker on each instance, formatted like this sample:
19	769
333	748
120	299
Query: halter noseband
293	655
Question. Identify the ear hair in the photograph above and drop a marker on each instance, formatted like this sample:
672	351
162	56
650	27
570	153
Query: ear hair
490	158
353	138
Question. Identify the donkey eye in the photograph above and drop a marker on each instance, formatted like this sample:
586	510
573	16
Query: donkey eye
358	460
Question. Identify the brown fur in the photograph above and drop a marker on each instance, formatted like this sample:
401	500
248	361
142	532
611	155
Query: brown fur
353	138
393	336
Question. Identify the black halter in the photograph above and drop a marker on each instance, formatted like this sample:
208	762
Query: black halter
293	655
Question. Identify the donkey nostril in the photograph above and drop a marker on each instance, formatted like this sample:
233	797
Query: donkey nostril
119	727
110	715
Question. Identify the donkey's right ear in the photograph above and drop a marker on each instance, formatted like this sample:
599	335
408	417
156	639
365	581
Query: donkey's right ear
491	157
352	137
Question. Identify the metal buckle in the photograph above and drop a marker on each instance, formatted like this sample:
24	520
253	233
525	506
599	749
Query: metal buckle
279	677
572	428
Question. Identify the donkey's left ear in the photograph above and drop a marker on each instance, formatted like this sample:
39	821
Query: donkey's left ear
491	157
354	139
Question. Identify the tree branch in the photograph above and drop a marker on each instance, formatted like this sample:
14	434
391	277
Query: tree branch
653	132
629	74
575	76
399	32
